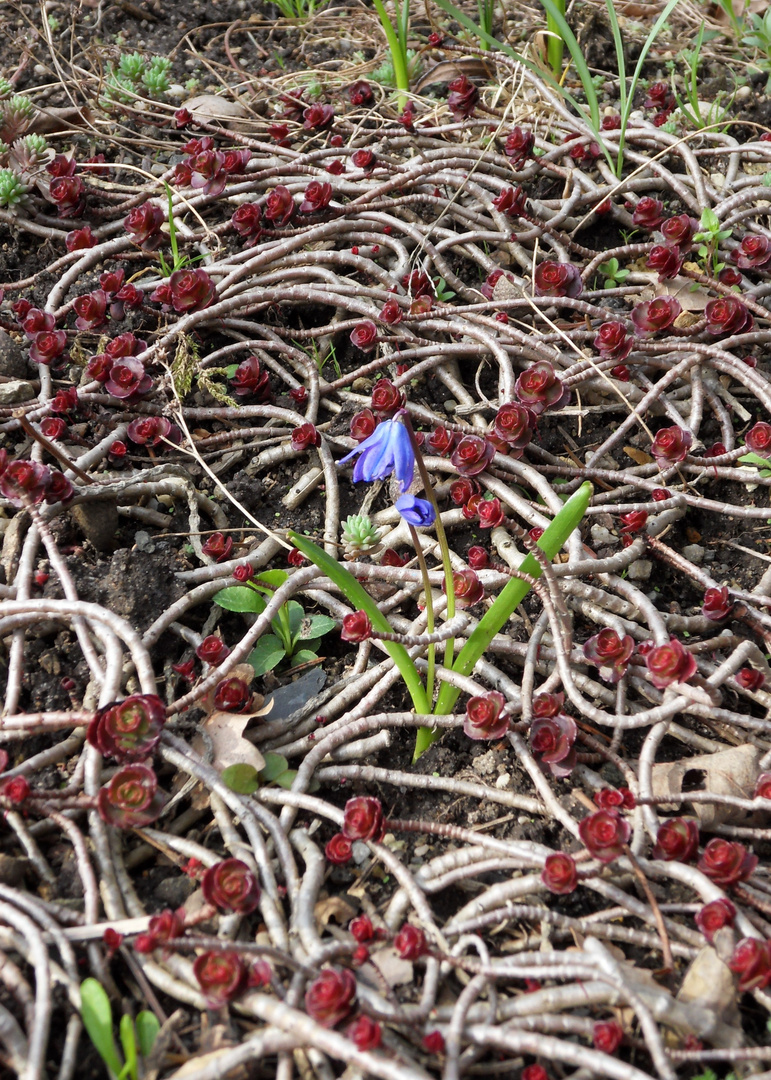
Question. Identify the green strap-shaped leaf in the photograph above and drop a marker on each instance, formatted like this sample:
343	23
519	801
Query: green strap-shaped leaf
97	1019
148	1026
362	601
514	593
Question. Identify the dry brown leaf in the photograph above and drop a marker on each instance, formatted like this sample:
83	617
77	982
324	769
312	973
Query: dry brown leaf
639	457
333	907
218	110
709	983
728	772
226	731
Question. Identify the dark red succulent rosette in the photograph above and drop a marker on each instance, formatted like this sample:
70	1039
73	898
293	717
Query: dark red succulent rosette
233	695
127	379
519	147
386	399
559	874
363	819
751	961
539	388
330	997
679	230
191	290
131	799
671	445
128	730
485	717
670	663
552	740
649	213
316	197
758	439
515	424
605	835
222	976
557	279
469	590
726	862
360	93
213	649
717	604
356	627
364	336
753	252
513	203
250	379
607	1036
231	886
279	206
655	315
666	260
48	346
339	850
462	98
472	455
612	341
714	916
410	943
304	437
610	653
677	838
247	221
25	483
143	225
727	316
363	424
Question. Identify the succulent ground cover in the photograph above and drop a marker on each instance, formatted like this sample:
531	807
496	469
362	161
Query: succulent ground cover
206	307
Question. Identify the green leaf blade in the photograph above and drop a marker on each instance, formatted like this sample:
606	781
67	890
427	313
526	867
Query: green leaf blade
96	1011
240	598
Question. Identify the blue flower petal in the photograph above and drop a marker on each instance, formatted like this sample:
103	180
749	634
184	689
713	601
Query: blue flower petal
415	511
387	450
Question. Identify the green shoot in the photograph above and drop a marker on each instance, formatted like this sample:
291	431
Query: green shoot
96	1012
295	636
396	36
612	274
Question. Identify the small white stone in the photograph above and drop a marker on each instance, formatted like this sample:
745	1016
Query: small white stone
601	536
695	553
503	781
360	852
640	570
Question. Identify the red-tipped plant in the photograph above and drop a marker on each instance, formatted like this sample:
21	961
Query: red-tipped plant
485	717
552	740
539	388
677	838
222	976
363	819
559	874
670	663
714	916
610	653
727	862
331	996
131	799
128	730
605	835
231	886
410	942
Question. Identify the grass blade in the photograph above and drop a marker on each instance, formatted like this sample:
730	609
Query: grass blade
514	593
362	601
96	1011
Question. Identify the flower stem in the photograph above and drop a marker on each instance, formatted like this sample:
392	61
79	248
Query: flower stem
426	736
429	611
